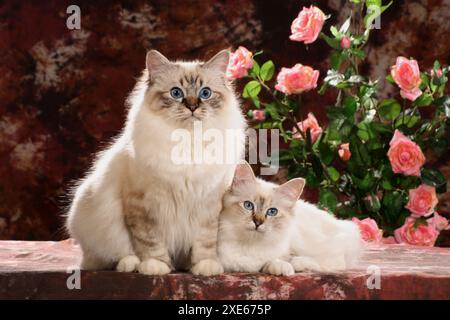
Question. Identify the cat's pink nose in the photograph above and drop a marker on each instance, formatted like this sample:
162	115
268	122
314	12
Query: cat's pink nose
258	222
191	103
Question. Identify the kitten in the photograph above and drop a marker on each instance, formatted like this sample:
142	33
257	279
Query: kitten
264	228
137	209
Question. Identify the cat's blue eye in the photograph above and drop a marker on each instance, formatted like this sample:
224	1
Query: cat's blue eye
248	205
272	212
205	93
176	93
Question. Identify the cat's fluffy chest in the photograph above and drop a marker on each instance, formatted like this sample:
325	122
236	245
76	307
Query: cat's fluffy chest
252	253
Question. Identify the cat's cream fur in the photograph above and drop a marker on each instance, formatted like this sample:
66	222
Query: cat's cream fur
300	237
136	206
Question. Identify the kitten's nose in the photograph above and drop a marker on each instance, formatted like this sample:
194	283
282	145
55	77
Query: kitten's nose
191	103
258	221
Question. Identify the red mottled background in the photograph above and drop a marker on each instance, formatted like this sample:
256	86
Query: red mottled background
62	92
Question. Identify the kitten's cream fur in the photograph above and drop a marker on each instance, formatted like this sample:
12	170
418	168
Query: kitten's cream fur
300	237
136	206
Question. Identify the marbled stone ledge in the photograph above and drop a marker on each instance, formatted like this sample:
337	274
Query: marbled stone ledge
38	270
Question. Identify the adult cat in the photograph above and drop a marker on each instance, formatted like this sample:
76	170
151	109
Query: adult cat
138	207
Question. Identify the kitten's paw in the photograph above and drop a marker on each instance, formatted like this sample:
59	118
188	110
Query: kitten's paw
207	267
278	268
305	263
153	267
128	264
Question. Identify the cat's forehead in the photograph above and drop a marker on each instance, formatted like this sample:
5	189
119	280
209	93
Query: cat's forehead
191	73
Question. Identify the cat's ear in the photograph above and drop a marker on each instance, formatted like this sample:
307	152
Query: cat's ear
292	189
243	174
219	62
155	62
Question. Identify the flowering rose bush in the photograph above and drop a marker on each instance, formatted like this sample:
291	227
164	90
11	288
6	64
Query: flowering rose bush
368	159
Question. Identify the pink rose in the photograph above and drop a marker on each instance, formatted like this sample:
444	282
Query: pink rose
307	26
422	201
345	43
420	235
405	156
439	222
259	115
407	76
308	123
344	151
369	229
297	79
240	61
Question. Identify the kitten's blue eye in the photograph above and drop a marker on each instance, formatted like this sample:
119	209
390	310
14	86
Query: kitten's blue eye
205	93
248	205
272	212
176	93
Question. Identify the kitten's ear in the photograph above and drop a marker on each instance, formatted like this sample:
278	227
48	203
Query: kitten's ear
242	174
155	62
292	189
219	61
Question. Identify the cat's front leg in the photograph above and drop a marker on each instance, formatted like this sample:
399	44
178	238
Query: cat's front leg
204	258
278	267
149	247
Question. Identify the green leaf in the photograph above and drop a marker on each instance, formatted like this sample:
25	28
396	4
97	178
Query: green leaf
325	153
424	100
254	71
267	70
407	119
349	106
393	202
390	79
386	185
336	59
389	109
328	199
333	173
251	89
424	81
332	42
335	32
434	178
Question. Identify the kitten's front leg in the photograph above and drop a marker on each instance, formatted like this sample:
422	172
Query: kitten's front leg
278	267
204	258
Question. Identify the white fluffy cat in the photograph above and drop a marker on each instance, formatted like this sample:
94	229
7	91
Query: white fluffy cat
137	207
263	227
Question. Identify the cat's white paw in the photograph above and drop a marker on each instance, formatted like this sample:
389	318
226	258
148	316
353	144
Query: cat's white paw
278	268
305	263
153	267
207	267
128	264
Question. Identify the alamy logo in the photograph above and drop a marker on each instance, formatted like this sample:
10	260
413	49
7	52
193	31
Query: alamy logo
212	146
74	280
73	22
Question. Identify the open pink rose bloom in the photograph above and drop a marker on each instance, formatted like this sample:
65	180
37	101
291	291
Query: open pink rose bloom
416	233
307	26
309	123
369	230
422	201
240	61
406	74
405	156
297	79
